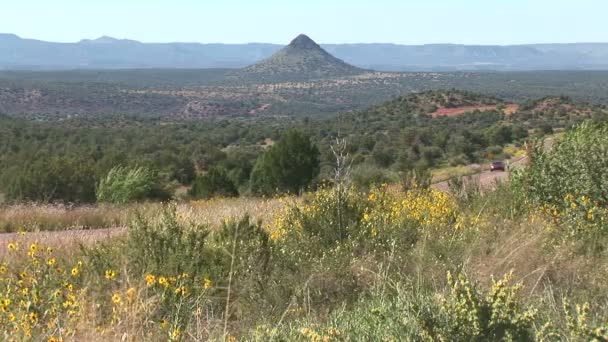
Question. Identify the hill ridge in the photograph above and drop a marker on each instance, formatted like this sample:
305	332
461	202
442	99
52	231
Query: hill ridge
303	58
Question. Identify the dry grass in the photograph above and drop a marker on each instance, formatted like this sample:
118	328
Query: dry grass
37	218
215	211
443	174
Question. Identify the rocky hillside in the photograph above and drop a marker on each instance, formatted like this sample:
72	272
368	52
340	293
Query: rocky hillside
301	59
438	103
559	111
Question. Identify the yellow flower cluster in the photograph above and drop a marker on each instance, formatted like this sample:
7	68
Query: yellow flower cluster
425	208
326	335
582	212
379	209
176	284
39	294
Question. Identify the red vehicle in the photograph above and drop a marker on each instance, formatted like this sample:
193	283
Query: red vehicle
497	166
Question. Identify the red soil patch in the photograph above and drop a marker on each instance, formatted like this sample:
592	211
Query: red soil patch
459	110
260	109
509	109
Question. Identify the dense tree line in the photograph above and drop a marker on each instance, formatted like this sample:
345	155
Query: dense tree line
66	160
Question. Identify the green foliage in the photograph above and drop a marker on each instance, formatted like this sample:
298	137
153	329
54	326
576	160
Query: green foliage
579	325
330	216
214	182
184	171
122	185
466	315
240	256
389	314
51	179
237	255
500	134
571	180
575	166
416	179
365	176
288	166
164	245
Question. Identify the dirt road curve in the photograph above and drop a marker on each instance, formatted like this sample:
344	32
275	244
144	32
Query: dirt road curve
486	179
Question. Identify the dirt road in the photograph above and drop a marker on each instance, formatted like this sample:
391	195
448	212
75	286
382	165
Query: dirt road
486	179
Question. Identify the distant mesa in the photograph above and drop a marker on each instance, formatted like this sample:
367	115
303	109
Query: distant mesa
302	58
107	40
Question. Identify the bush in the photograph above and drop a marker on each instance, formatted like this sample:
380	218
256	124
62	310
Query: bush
164	245
402	311
241	258
416	179
122	185
366	176
288	166
215	182
466	315
52	179
571	180
328	215
237	256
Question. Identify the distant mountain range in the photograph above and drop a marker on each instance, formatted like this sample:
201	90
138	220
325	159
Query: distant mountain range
111	53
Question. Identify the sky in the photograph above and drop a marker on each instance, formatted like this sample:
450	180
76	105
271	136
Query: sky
484	22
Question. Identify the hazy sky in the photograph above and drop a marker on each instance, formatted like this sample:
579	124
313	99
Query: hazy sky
326	21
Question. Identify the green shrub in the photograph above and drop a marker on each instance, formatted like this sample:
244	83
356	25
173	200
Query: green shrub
328	216
466	315
578	324
164	245
235	256
215	182
571	180
366	176
52	179
575	166
288	166
387	315
416	179
240	258
122	185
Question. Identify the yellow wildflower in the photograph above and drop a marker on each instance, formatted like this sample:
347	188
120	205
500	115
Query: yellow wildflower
182	290
110	274
163	281
116	299
207	283
175	334
33	317
150	279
